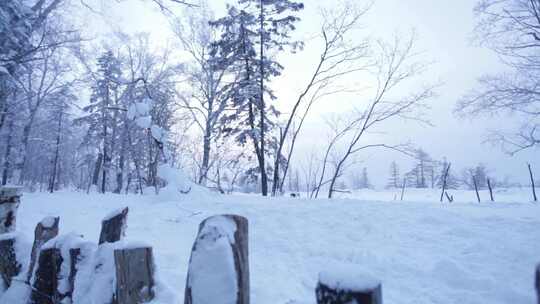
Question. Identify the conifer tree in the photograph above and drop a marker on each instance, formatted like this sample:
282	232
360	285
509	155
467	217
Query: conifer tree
250	34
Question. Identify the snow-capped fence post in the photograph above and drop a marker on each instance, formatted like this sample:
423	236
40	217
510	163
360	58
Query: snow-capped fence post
219	266
9	266
10	198
134	275
113	226
45	285
346	287
45	230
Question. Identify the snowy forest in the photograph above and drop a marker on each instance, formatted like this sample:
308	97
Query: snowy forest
364	143
104	115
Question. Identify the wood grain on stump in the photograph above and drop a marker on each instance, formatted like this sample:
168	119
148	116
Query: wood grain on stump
45	285
332	295
45	230
113	227
134	275
9	266
9	203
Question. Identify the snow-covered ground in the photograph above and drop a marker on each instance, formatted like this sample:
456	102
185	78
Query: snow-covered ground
422	251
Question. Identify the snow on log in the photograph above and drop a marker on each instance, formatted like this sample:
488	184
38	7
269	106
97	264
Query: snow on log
341	286
113	226
9	203
45	285
45	230
134	275
219	267
9	266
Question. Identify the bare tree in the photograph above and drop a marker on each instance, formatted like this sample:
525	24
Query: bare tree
395	65
339	57
511	28
207	97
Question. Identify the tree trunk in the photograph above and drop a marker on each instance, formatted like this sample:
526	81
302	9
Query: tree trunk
56	155
262	162
45	230
7	153
222	240
206	158
113	227
97	169
134	275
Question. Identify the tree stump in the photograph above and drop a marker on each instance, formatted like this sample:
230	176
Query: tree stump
45	285
537	283
9	266
335	288
113	226
74	256
219	267
134	275
9	203
45	230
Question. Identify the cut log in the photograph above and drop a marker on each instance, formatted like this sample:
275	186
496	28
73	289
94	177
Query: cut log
344	288
537	283
45	231
219	266
134	275
45	285
113	226
9	203
74	256
9	266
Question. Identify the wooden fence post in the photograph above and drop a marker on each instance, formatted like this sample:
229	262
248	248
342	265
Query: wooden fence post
10	198
220	258
445	176
45	230
476	188
403	188
113	227
134	275
532	183
9	266
45	285
339	289
490	190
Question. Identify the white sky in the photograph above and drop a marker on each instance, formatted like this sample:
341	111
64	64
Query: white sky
444	30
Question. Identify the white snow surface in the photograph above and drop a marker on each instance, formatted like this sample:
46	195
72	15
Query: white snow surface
422	251
347	277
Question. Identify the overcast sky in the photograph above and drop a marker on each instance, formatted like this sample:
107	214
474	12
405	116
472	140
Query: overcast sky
444	30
